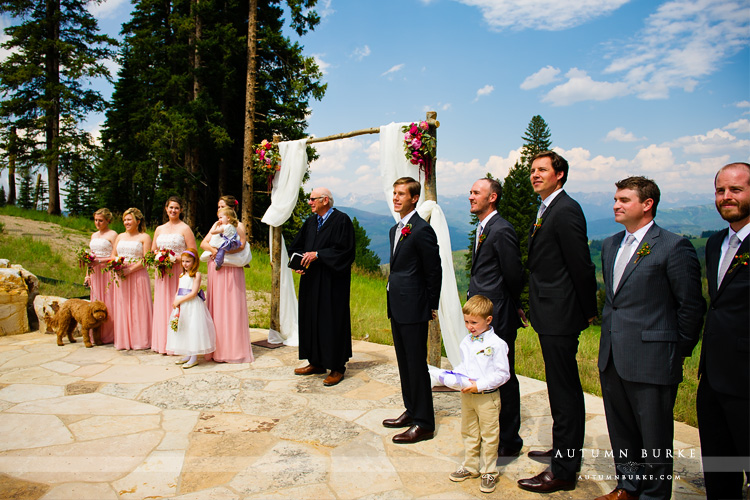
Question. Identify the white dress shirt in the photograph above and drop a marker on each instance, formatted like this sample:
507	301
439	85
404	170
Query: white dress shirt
638	235
485	361
741	234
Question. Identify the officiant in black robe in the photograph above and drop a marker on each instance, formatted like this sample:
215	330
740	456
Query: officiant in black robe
326	243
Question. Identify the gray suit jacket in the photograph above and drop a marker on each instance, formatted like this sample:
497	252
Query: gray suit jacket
654	318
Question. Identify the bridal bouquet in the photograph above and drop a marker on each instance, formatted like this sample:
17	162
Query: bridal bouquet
419	146
86	259
162	260
115	267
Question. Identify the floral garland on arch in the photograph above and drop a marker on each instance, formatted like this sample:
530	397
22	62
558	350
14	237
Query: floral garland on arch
419	146
267	160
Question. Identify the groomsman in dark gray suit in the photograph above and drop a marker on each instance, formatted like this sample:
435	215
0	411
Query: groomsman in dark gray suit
497	273
724	388
651	321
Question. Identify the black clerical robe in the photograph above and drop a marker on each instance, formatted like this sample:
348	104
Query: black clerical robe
325	332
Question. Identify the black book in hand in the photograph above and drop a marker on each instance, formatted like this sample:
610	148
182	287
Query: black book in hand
295	262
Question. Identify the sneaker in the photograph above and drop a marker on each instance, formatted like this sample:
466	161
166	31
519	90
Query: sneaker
461	474
488	483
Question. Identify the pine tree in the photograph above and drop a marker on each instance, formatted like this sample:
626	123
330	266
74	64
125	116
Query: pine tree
364	258
55	47
24	191
536	139
2	196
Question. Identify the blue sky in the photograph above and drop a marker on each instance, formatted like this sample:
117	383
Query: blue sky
657	88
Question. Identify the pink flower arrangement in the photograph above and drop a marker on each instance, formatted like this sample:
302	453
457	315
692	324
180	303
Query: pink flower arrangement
419	145
162	260
115	267
267	159
85	259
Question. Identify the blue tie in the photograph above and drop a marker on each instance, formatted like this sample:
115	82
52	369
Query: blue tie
320	221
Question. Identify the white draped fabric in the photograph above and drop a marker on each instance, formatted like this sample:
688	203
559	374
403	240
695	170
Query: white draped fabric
393	165
284	194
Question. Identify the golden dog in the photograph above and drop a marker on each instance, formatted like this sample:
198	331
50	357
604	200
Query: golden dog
90	315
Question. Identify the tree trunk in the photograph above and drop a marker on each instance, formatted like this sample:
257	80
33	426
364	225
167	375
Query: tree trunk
52	96
247	164
12	166
192	153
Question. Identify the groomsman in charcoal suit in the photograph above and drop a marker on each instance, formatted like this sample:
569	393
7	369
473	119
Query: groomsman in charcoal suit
562	303
724	388
651	320
413	298
497	273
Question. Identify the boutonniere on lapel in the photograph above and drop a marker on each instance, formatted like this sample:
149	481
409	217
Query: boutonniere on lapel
644	250
405	231
739	260
487	351
482	237
537	225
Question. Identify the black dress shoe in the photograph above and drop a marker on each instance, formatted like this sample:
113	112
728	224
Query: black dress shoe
540	454
413	434
504	452
545	483
402	421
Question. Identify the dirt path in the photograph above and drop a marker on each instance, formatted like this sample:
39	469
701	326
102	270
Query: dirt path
62	240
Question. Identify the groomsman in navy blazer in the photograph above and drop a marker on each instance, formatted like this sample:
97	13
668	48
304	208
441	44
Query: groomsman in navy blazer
653	312
497	273
562	303
413	294
724	388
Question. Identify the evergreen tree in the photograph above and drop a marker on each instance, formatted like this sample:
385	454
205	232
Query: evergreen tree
55	47
364	258
24	191
536	139
180	96
2	196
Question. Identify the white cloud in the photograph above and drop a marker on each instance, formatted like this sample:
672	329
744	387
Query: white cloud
108	9
486	90
742	104
542	14
655	158
441	106
581	87
324	9
712	142
740	126
361	52
620	135
322	65
4	23
455	178
544	76
394	69
335	155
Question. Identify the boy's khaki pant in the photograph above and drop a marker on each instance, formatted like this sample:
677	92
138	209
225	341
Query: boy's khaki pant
480	429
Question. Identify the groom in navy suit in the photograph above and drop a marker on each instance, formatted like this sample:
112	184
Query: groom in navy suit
653	312
413	297
724	388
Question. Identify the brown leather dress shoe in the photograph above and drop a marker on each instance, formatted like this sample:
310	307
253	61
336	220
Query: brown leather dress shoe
545	483
618	494
413	434
403	421
333	378
309	370
540	454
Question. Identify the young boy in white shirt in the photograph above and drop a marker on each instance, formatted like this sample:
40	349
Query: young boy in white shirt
484	359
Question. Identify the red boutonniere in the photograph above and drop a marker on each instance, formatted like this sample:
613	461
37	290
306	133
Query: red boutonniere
739	260
644	250
537	225
405	231
482	237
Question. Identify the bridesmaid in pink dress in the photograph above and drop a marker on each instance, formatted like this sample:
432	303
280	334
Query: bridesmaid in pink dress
101	245
133	309
227	303
176	236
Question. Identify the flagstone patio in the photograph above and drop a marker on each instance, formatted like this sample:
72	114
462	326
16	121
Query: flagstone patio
98	423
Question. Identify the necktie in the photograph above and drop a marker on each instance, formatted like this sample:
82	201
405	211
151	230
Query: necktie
622	261
320	222
398	235
542	208
480	230
734	244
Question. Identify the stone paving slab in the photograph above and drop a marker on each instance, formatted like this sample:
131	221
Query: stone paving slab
99	423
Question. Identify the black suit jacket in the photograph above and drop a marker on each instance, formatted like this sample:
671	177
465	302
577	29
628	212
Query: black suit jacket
725	353
497	273
416	274
562	281
654	318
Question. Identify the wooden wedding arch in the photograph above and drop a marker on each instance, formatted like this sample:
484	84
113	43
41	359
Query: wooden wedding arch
430	193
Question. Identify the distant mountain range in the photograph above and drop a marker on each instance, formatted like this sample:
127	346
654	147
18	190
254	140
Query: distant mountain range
684	213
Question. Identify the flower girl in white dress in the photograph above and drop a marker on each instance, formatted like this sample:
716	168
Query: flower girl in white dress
191	330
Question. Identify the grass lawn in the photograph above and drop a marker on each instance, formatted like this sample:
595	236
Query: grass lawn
368	312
